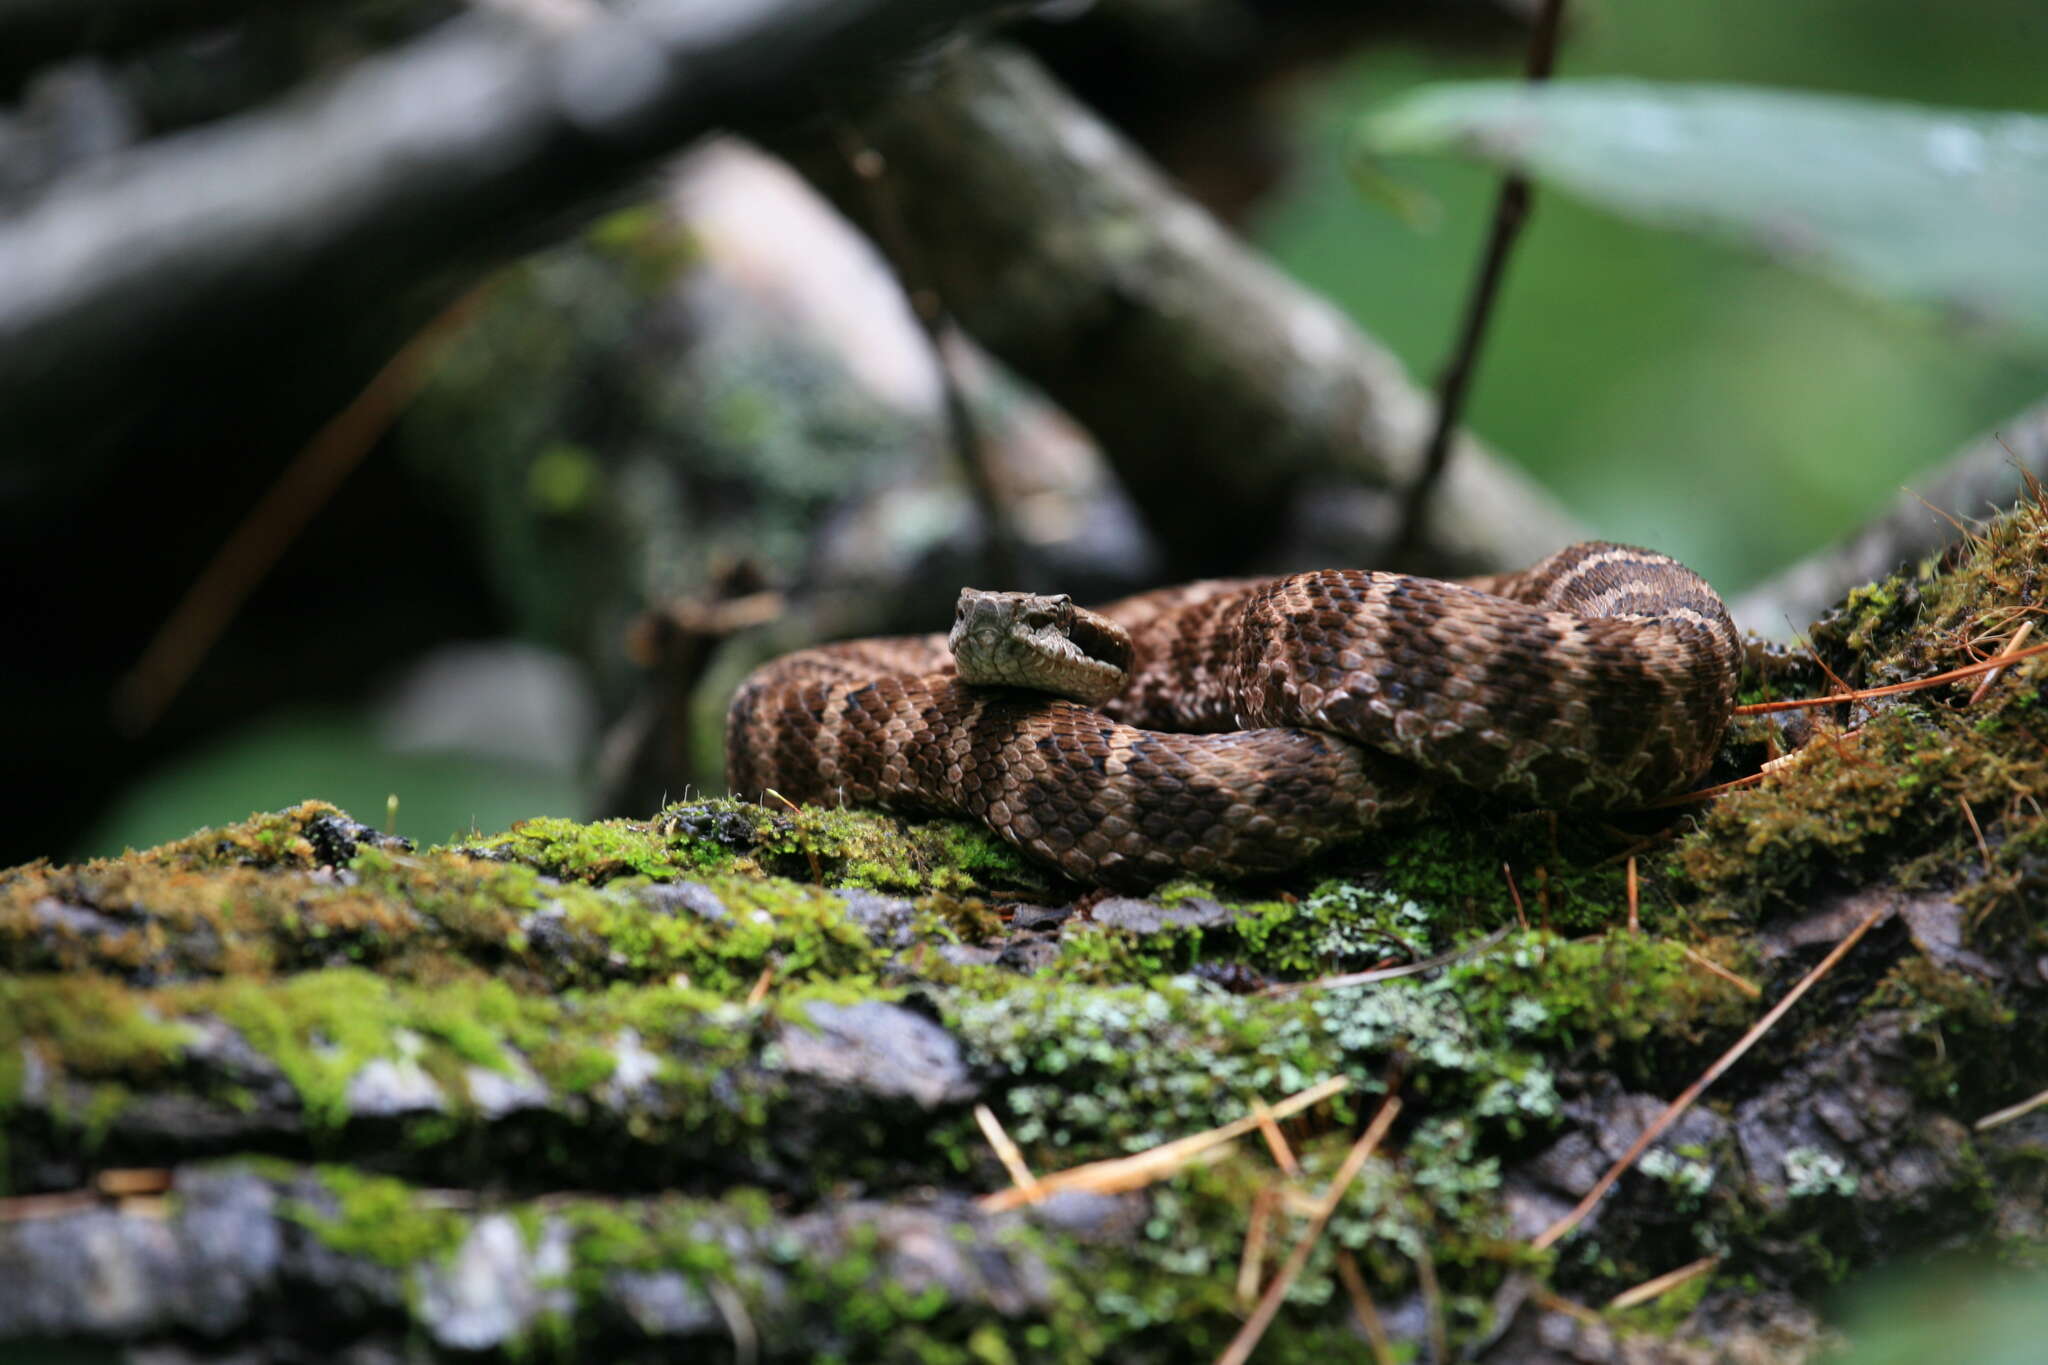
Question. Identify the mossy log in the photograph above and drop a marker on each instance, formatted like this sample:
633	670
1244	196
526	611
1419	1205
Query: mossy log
292	1086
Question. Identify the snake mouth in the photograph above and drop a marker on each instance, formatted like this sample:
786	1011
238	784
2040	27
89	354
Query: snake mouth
1067	651
1039	642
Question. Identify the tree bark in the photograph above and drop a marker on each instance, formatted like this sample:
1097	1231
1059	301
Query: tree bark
1218	388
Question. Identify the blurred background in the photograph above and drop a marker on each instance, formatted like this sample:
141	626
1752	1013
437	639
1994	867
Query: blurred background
632	450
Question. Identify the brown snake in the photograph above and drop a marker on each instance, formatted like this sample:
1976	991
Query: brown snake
1264	720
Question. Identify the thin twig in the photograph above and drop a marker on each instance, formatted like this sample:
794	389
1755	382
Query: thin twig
1254	1255
2019	637
1677	1108
23	1207
2012	1111
1362	1304
1743	984
1155	1163
1662	1284
1635	920
1557	1303
1433	1302
1515	894
928	306
1006	1150
1276	1141
252	550
1510	211
1991	665
1330	983
1983	849
126	1182
739	1324
1761	775
1247	1338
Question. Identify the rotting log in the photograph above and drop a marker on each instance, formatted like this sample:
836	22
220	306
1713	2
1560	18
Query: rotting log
413	168
711	1078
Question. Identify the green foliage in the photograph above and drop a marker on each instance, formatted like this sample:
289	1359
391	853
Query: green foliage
1938	205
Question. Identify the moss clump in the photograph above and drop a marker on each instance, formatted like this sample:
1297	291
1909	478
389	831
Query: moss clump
320	1029
1977	1042
378	1219
862	850
1934	788
1630	1002
88	1026
599	851
1095	1071
302	837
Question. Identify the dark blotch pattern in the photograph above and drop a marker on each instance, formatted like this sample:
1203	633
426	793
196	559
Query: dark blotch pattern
1265	720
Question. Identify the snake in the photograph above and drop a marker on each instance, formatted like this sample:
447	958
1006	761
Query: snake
1235	728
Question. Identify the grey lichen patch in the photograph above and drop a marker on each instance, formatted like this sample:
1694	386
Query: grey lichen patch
631	1080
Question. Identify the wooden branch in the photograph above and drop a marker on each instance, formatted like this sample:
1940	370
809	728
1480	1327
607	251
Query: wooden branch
1985	474
474	139
1218	388
1510	212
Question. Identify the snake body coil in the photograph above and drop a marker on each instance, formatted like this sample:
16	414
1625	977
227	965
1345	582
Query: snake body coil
1265	720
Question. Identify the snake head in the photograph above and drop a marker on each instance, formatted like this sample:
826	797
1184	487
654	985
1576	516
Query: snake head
1038	641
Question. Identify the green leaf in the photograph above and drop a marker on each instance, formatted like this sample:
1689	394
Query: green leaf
1941	206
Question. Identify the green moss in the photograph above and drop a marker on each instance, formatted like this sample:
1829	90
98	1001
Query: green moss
86	1026
1339	927
600	851
321	1028
1897	799
1628	1001
378	1219
273	839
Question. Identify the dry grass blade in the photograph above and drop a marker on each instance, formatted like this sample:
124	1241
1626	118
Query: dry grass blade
1362	1304
1428	964
1254	1255
1433	1302
1006	1151
127	1182
21	1208
301	489
2019	637
1991	665
1983	849
1776	765
2012	1111
1743	984
1276	1141
1142	1168
1662	1284
1557	1303
1247	1338
760	988
1676	1109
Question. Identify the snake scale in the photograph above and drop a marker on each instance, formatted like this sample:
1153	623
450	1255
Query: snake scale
1263	720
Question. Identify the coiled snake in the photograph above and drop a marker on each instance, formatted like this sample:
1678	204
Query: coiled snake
1259	721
